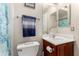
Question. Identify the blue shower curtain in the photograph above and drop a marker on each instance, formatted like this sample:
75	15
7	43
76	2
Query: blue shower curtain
4	37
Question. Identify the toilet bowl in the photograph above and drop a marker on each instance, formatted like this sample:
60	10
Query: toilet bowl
28	49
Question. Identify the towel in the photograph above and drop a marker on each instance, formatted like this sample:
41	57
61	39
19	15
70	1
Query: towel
28	26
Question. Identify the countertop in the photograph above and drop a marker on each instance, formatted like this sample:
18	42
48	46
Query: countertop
58	40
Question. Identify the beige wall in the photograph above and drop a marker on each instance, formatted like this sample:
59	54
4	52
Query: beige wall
66	30
75	23
11	25
18	9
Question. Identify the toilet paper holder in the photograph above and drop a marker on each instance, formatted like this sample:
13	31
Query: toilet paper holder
49	49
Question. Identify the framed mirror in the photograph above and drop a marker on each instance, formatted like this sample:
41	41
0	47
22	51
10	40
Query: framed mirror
56	15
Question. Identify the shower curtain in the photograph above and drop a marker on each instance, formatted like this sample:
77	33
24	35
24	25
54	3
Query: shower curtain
4	37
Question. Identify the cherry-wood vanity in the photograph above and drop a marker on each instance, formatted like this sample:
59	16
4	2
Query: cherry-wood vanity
65	49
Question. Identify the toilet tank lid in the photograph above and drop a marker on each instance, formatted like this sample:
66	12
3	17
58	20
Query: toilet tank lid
27	44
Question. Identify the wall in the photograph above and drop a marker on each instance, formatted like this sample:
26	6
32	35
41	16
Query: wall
75	24
19	10
11	25
65	30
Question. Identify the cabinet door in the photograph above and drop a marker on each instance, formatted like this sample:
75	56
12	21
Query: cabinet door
69	49
66	49
46	53
60	50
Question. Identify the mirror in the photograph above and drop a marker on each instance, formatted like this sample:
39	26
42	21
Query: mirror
49	17
63	15
54	16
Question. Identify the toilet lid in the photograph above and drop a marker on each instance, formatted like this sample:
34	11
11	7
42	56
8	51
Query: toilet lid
27	44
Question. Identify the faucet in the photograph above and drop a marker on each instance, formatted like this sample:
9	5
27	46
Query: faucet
53	36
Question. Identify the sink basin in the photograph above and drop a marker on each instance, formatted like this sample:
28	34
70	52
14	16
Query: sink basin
47	36
58	39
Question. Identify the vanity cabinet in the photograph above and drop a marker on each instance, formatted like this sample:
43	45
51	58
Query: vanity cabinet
66	49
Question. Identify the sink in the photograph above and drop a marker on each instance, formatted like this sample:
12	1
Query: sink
58	39
47	36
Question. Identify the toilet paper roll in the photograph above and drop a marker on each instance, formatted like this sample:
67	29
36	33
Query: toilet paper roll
49	49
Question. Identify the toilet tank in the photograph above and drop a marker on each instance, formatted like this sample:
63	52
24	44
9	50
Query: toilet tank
28	49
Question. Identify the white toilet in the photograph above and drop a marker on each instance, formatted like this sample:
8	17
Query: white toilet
28	49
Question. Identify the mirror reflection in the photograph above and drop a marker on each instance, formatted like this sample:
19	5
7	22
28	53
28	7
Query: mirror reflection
63	20
49	17
54	16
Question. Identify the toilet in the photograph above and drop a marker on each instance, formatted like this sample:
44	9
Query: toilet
28	49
